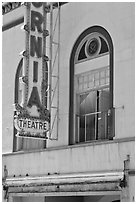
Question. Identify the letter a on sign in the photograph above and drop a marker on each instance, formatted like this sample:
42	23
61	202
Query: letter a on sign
34	98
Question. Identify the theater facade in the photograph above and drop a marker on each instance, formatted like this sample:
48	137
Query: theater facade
68	102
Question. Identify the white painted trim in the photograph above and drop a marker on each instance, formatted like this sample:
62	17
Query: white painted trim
88	38
93	64
81	145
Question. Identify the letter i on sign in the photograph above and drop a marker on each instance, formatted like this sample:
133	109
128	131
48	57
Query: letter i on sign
35	71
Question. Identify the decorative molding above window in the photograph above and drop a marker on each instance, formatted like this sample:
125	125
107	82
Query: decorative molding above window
92	46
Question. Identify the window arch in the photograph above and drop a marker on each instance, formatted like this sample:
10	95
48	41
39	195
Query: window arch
91	113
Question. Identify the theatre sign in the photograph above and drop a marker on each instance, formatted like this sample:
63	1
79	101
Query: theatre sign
31	117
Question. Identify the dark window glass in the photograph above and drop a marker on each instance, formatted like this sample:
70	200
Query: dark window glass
82	54
104	47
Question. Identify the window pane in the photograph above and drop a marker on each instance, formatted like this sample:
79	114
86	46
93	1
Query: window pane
87	122
97	75
103	107
96	83
102	81
102	74
90	127
82	129
107	80
107	72
93	126
93	79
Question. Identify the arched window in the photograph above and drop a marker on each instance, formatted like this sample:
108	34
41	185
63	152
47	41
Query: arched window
91	114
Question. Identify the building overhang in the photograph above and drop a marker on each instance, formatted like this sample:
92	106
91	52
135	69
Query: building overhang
82	182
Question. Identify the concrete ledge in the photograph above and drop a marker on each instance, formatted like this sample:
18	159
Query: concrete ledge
80	145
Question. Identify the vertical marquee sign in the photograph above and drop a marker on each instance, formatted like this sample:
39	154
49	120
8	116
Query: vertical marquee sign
32	117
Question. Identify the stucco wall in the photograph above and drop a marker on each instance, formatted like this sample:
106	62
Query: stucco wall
118	20
75	18
93	157
12	44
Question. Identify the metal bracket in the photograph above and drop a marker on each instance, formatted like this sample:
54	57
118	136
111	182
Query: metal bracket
5	187
124	183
